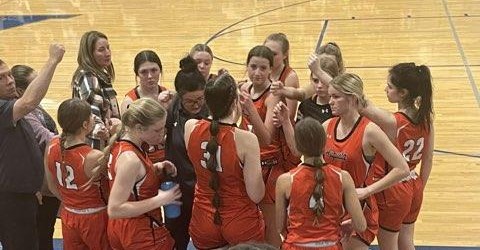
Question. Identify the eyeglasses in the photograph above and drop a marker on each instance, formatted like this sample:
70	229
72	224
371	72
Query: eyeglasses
189	102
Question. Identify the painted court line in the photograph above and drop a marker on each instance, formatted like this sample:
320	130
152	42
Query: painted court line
462	54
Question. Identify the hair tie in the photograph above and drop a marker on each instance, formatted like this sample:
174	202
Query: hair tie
419	69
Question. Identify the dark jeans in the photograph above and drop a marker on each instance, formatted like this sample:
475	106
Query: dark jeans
178	227
46	217
18	221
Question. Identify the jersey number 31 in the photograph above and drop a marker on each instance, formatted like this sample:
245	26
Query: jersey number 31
206	156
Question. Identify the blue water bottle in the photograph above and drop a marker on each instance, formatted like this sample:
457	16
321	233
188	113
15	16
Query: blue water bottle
171	211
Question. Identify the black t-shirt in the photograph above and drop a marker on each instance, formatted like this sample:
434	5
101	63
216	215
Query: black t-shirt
175	149
310	108
21	161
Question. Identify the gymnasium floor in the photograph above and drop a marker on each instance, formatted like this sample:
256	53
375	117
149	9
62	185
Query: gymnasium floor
373	35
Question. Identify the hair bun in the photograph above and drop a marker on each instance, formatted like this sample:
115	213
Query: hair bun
188	64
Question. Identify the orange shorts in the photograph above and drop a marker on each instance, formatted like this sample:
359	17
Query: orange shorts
85	231
272	168
138	233
400	204
291	246
370	210
243	226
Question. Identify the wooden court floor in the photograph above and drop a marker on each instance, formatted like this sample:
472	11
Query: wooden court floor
373	35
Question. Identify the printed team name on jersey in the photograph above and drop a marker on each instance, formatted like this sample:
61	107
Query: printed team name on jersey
337	155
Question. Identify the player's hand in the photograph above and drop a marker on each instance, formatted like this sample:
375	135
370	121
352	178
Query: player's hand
56	52
170	196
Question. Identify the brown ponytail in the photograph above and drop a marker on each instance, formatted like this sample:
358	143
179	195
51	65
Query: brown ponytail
418	81
310	139
317	194
63	139
220	95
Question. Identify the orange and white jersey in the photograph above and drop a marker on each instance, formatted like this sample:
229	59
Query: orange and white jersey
347	153
274	149
156	153
232	190
411	139
303	225
147	187
67	169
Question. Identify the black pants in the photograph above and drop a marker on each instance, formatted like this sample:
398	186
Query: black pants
46	217
18	221
178	227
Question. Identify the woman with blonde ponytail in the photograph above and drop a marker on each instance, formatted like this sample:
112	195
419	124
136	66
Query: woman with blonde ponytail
135	199
69	162
355	144
315	194
226	160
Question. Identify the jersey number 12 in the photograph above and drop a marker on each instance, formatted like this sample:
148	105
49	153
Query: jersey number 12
67	182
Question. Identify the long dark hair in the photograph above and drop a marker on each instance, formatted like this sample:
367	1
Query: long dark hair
418	81
310	139
71	115
146	56
220	95
261	51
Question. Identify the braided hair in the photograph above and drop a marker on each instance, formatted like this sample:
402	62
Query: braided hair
310	139
220	95
71	114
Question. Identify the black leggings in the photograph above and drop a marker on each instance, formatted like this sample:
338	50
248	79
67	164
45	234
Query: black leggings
46	217
178	227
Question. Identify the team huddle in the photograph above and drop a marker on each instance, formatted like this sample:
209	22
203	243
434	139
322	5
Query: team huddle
260	163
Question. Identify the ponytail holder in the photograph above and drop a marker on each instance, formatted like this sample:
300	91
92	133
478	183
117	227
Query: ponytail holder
419	69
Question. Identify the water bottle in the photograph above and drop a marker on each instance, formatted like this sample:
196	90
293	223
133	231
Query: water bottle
171	211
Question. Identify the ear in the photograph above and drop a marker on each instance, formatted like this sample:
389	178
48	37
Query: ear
403	92
85	124
139	127
353	99
234	108
285	55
